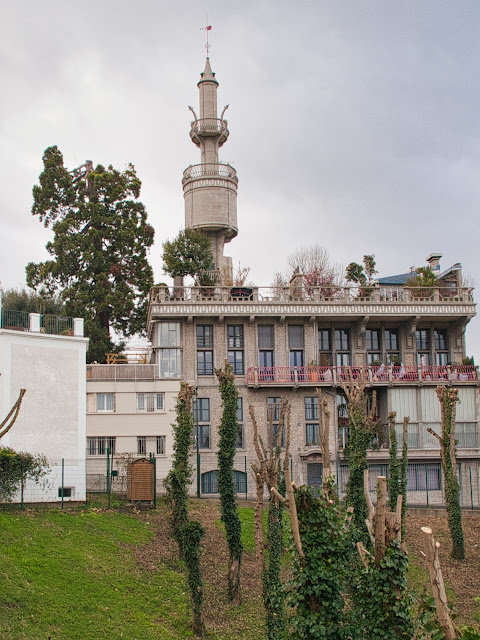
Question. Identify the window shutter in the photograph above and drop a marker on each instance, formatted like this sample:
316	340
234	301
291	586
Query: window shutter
295	336
265	336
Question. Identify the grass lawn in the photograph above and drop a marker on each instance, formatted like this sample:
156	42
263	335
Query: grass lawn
89	573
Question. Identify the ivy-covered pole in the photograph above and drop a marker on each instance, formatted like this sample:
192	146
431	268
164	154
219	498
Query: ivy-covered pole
393	482
448	399
228	499
179	477
192	535
362	425
403	475
267	472
188	534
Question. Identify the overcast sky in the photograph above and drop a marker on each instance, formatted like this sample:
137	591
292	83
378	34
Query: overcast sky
353	124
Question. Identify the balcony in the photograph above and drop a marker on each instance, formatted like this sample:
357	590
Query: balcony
209	170
209	127
374	375
122	372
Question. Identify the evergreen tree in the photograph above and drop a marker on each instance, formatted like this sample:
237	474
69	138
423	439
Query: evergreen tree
99	250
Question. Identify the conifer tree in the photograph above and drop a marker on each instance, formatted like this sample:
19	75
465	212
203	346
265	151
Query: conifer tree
99	251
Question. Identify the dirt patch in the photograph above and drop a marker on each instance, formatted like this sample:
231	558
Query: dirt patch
219	614
463	577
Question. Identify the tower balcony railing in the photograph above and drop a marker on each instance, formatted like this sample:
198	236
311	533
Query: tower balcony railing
374	375
209	170
209	127
308	295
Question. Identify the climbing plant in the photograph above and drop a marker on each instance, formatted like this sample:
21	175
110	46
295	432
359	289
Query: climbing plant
362	428
448	399
226	488
267	473
179	477
394	463
188	534
318	577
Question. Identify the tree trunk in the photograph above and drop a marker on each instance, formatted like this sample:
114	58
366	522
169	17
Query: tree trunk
438	587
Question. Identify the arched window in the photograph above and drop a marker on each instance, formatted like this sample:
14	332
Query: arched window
210	481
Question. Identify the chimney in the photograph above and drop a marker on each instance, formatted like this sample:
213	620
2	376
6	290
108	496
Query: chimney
434	261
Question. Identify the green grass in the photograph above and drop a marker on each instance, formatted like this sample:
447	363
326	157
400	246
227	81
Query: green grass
73	575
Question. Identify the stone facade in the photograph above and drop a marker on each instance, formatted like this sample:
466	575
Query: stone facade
405	340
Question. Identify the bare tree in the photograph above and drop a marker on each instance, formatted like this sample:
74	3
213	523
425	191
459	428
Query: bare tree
9	421
315	264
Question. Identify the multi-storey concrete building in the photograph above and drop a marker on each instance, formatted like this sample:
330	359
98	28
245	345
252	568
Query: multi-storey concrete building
289	341
130	409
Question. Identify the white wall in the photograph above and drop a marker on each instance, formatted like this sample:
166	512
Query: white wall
52	419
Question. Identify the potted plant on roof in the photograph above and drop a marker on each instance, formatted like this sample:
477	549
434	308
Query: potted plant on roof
362	275
422	283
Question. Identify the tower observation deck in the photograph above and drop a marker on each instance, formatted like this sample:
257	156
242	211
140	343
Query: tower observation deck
210	188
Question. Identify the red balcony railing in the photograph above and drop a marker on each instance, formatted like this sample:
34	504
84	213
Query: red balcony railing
373	374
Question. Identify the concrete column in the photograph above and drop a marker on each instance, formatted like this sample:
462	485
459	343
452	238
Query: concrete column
35	322
78	327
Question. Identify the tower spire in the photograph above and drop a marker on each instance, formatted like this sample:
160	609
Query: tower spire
210	188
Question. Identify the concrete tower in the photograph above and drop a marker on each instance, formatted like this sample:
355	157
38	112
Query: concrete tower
210	188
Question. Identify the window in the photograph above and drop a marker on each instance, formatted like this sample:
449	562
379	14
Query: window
201	415
375	470
266	345
210	481
392	347
312	432
105	401
374	354
168	334
97	446
160	450
235	336
141	445
422	339
205	363
441	346
65	492
311	408
235	348
325	347
169	353
275	403
205	350
169	363
423	476
296	343
150	401
204	436
240	442
342	347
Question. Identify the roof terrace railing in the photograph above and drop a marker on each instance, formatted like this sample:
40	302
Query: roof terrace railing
353	295
40	323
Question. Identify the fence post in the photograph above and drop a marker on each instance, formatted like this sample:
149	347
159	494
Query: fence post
246	480
426	484
108	476
471	488
154	482
63	477
21	485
